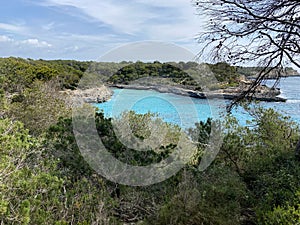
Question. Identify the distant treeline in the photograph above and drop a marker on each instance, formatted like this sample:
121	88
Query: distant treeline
252	72
18	74
180	73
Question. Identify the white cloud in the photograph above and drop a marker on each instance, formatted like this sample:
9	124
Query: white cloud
11	27
87	38
140	17
24	43
122	17
102	25
26	48
4	38
36	43
165	3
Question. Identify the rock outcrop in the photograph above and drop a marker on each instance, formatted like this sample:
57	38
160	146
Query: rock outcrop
262	93
91	95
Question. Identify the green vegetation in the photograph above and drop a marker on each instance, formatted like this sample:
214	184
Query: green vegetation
177	73
225	73
139	70
17	73
254	71
44	179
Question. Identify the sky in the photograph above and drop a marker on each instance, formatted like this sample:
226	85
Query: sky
88	29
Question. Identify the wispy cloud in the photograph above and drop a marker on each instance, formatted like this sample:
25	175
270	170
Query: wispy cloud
87	29
88	37
11	27
48	26
121	16
139	17
165	3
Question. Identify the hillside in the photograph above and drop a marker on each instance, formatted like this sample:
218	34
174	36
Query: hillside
187	78
252	72
189	75
190	79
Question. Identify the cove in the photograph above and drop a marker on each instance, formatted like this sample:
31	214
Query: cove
186	111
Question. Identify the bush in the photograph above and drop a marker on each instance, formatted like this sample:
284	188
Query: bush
39	107
214	197
288	214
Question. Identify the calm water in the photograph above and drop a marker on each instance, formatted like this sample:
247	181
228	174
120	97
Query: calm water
186	111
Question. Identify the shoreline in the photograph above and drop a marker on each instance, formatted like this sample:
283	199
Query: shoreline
228	94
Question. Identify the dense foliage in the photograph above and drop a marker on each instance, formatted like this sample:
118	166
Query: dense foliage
44	179
17	73
178	73
225	73
139	70
254	71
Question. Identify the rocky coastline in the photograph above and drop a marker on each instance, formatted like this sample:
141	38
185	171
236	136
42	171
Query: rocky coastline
262	93
104	93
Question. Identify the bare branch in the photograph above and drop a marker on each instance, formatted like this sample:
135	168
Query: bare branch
262	32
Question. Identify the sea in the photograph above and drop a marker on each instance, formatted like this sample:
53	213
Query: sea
186	111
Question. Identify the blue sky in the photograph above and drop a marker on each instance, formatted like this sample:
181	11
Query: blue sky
87	29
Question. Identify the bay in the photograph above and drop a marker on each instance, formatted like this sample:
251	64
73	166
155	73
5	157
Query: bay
185	111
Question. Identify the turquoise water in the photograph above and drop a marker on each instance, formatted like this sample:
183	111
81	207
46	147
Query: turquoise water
186	111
